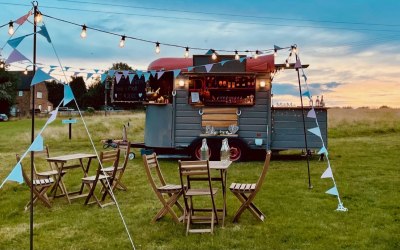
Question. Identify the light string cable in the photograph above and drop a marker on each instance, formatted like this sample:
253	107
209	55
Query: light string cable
156	42
94	148
11	36
340	205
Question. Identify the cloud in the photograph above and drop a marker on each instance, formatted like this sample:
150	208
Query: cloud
315	88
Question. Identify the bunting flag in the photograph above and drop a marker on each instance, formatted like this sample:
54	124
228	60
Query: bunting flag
89	75
307	93
332	191
53	66
16	56
111	72
95	70
68	95
37	144
176	72
15	175
40	76
67	68
53	116
208	67
51	70
316	131
223	62
16	41
103	77
305	77
139	73
327	173
311	113
22	19
323	151
159	74
242	59
277	47
76	73
125	73
297	65
131	77
43	32
147	76
190	68
118	77
153	73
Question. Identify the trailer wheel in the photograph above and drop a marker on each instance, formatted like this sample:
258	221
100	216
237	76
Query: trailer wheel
196	152
236	150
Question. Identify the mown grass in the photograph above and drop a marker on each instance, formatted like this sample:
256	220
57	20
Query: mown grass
365	165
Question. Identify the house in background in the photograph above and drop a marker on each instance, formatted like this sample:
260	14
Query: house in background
23	105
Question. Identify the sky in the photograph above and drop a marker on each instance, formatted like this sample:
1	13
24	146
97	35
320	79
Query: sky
352	47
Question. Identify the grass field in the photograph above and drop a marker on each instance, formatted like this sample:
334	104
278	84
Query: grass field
363	149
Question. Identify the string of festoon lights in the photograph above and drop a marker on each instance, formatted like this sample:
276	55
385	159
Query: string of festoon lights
123	38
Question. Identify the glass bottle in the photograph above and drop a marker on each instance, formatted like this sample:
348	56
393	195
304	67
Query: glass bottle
317	101
225	151
322	102
204	154
311	102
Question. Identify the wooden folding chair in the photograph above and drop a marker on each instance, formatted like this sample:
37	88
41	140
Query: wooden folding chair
161	188
197	171
105	180
39	187
247	192
51	172
124	147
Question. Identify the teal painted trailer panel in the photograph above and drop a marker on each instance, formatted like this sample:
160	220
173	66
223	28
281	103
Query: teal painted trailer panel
158	132
288	130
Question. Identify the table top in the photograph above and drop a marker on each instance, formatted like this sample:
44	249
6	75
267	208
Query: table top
64	158
219	165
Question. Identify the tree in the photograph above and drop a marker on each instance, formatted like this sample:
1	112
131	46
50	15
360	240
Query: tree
55	92
121	66
8	90
78	87
94	97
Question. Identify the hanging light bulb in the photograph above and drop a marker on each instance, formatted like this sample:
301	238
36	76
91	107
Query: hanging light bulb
122	42
256	54
214	55
1	65
26	71
157	47
237	57
10	28
287	63
38	17
83	32
186	52
275	52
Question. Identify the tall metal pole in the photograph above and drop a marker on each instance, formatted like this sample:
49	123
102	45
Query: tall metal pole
35	11
304	128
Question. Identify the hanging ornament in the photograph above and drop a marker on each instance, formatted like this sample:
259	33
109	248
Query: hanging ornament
122	42
186	52
237	57
157	47
83	32
214	55
11	28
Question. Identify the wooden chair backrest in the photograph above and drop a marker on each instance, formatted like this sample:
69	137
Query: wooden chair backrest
40	156
219	117
150	163
111	156
125	148
261	179
194	171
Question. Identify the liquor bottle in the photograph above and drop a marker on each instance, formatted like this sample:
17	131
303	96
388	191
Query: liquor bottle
204	155
317	102
322	102
311	102
225	151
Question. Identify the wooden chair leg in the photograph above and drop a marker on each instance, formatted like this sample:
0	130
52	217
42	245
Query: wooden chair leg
167	207
247	204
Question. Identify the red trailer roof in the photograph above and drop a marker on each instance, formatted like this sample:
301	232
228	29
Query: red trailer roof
263	64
